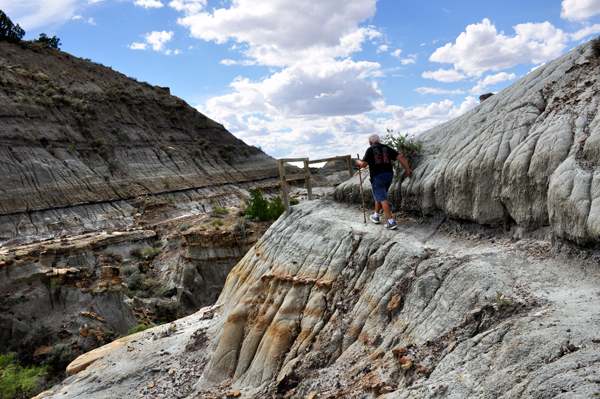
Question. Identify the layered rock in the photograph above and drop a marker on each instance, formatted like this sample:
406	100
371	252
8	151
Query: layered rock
326	306
77	139
527	155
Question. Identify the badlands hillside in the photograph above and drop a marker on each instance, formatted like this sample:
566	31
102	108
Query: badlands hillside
488	289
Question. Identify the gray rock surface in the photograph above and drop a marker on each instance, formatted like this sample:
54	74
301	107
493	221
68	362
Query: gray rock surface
528	154
325	304
79	142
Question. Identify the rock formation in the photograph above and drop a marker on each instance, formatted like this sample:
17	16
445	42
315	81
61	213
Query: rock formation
527	155
330	307
325	306
79	142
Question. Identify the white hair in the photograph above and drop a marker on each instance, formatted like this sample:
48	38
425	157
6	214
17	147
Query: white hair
374	138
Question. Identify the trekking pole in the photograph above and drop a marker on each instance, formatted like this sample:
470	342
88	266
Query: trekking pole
361	190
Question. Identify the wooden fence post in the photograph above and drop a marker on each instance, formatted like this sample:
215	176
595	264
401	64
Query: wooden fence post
308	182
284	190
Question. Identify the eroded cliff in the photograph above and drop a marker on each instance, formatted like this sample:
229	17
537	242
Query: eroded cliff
527	155
79	142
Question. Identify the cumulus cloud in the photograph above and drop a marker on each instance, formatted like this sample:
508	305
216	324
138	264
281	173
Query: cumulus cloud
444	75
190	7
432	90
481	48
148	3
285	31
584	32
138	46
578	10
383	48
491	80
396	53
155	39
75	17
412	59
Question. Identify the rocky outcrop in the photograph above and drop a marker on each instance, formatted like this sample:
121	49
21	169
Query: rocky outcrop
79	142
527	155
326	306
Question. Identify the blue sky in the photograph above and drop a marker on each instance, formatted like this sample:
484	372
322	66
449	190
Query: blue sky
315	77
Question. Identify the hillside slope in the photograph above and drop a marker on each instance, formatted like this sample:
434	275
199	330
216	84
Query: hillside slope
77	138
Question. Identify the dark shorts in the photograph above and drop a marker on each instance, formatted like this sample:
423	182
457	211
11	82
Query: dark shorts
380	185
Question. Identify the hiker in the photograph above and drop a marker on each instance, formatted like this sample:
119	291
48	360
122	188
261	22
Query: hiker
379	158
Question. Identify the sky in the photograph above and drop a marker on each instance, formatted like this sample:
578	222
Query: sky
313	78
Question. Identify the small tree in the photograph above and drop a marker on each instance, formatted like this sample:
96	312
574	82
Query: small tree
8	31
53	41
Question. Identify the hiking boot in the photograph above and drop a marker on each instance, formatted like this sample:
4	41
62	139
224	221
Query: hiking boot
374	219
391	226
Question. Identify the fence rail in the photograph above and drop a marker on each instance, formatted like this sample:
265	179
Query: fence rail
306	175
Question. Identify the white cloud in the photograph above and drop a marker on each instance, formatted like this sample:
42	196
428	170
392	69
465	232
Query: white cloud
587	31
536	67
431	90
90	21
138	46
158	39
190	7
35	14
491	80
578	10
177	52
383	48
74	17
155	39
412	59
396	53
286	31
444	75
229	62
148	3
481	48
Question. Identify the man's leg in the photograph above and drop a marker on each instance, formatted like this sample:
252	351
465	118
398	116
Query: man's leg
378	207
386	208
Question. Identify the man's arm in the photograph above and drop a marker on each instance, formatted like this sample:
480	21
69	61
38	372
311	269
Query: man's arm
402	160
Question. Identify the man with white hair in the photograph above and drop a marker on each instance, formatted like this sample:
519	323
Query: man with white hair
379	158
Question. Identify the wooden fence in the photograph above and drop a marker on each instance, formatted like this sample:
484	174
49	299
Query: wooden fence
304	175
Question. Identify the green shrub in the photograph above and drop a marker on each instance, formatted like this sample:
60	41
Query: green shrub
20	382
99	145
139	328
294	201
150	252
183	226
405	145
8	31
53	41
220	210
258	207
70	149
596	47
217	223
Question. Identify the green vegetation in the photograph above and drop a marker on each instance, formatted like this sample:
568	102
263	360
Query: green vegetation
294	201
99	145
150	252
51	150
596	47
499	299
226	153
183	226
24	98
217	223
20	382
139	328
168	182
405	145
142	285
9	32
220	210
70	149
54	282
109	252
262	209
